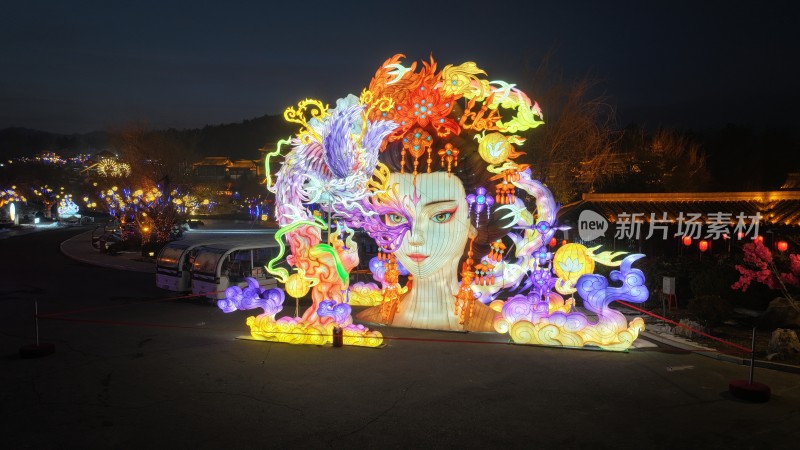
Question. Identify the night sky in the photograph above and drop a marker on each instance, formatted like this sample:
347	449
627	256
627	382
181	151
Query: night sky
82	66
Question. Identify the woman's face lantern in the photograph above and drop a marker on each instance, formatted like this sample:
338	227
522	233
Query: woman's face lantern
435	211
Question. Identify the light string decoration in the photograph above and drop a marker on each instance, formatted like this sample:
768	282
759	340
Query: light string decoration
66	207
154	213
11	195
396	162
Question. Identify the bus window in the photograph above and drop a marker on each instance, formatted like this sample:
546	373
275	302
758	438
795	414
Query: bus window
205	264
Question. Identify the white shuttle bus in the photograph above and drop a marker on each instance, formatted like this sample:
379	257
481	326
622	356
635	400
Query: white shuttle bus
173	266
174	261
221	265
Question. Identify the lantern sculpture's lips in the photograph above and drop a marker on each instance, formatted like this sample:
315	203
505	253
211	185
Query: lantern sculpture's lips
416	257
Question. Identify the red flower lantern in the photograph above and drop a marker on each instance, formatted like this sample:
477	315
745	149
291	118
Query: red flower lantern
687	240
703	245
782	246
553	242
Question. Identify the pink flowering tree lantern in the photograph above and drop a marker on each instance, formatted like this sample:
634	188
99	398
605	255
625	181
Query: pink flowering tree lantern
761	267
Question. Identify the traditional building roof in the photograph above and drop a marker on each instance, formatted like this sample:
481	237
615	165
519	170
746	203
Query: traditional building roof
105	154
248	164
214	161
775	207
792	182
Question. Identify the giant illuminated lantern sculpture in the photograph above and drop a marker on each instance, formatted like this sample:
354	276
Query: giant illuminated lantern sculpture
424	162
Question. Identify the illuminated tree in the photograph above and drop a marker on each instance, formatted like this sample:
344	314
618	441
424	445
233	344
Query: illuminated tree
159	169
10	195
760	266
48	197
152	213
31	175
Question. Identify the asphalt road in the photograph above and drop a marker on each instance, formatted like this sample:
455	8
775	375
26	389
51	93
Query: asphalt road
134	368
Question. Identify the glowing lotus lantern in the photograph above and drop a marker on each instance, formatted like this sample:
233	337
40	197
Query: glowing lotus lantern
687	240
571	261
703	245
782	246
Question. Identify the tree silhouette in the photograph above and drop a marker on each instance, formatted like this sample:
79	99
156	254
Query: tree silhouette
572	151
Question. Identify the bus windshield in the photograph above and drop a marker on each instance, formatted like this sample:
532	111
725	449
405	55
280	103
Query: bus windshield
170	255
207	261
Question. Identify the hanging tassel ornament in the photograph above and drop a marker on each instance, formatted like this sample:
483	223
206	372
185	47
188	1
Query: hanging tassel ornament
489	274
391	293
430	159
497	250
449	154
484	274
479	274
465	298
480	201
504	193
417	142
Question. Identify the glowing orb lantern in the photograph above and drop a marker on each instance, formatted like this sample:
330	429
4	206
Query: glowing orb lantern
703	245
687	241
297	285
495	148
782	246
553	242
571	261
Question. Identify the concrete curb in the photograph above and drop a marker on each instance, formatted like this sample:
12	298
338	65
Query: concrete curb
714	354
79	248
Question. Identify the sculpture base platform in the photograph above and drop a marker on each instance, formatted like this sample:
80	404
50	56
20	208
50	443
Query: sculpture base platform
751	392
37	350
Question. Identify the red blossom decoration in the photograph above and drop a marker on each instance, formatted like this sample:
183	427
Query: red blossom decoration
425	107
760	267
